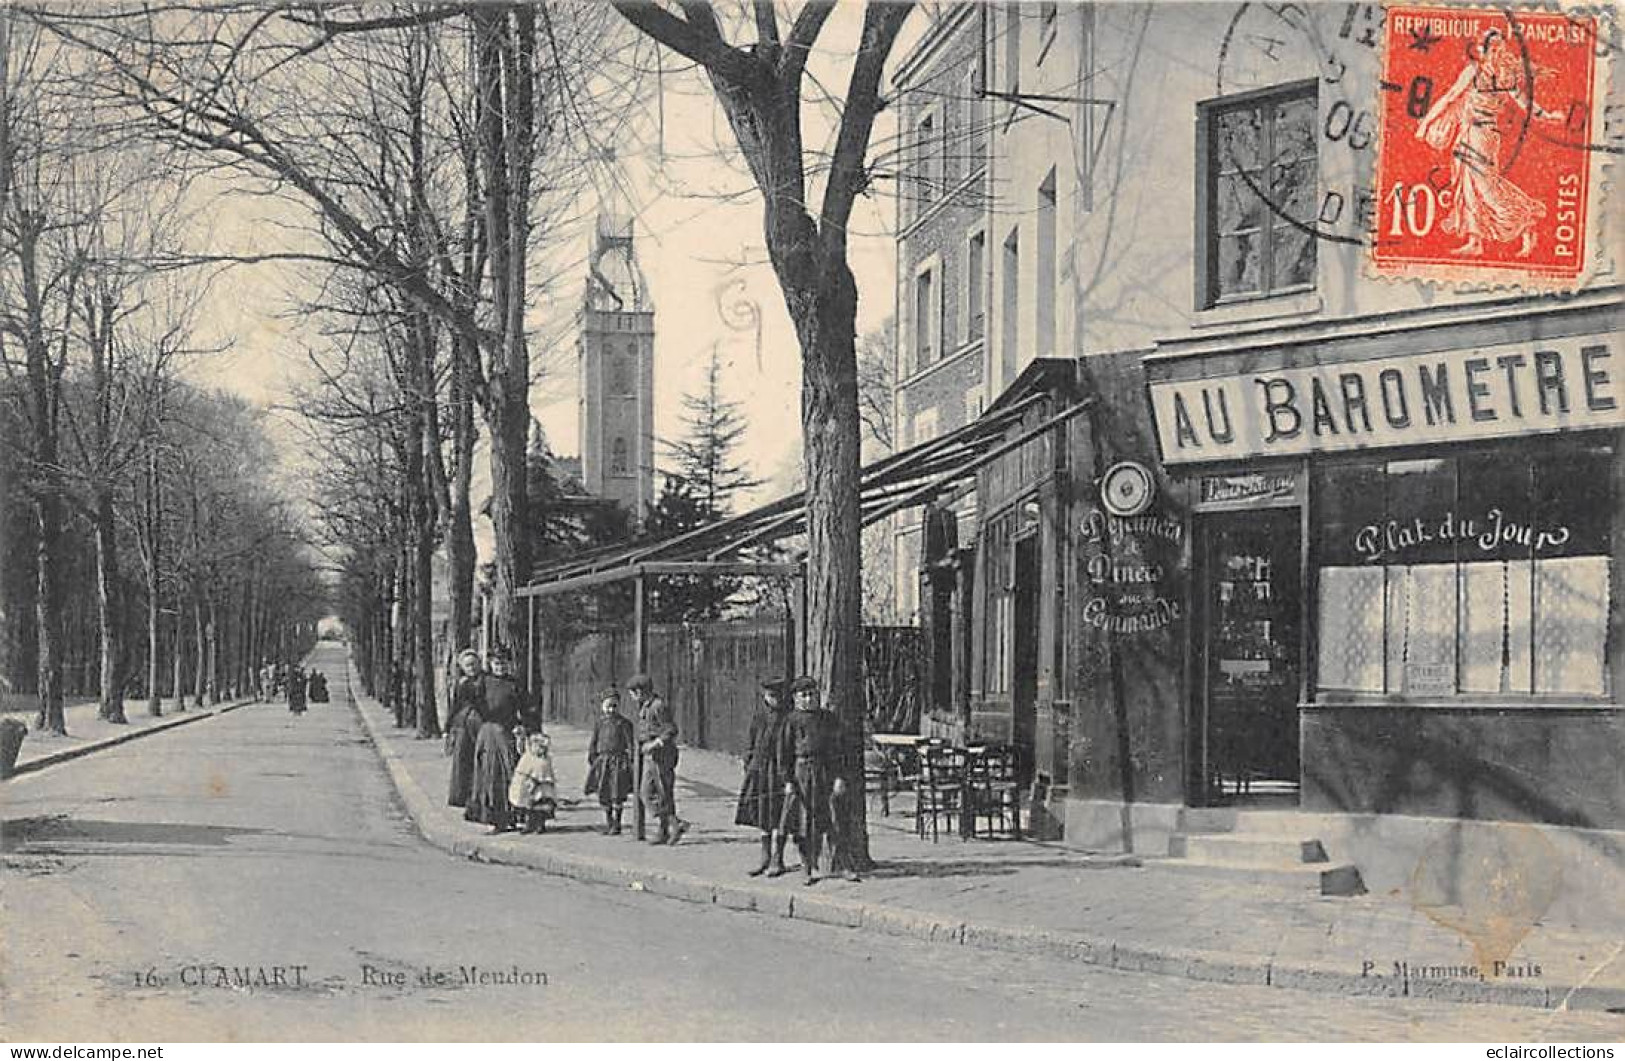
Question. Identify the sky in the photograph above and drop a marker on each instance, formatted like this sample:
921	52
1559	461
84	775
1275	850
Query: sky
698	239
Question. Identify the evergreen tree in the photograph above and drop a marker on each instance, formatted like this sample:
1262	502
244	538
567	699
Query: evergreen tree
700	490
703	458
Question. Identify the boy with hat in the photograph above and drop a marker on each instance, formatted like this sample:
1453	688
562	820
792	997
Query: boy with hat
657	743
761	797
808	749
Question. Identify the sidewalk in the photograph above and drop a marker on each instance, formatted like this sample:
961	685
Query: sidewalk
87	733
1016	895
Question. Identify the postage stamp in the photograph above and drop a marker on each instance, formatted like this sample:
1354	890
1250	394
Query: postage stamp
1484	169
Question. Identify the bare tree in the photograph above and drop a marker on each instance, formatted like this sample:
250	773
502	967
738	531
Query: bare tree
235	84
877	360
760	87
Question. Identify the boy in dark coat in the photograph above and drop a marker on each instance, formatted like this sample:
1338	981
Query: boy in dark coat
808	748
761	797
609	761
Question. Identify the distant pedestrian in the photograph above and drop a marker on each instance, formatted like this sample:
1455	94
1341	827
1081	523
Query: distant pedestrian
761	797
462	730
296	692
533	792
609	761
657	743
494	753
809	749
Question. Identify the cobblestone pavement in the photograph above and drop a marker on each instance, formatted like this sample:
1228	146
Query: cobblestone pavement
256	840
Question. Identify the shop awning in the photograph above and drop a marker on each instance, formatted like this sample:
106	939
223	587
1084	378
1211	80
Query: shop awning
743	544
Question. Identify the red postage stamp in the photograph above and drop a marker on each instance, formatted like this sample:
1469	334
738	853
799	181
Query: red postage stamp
1484	163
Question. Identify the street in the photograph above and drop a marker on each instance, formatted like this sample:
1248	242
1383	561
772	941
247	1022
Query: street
252	877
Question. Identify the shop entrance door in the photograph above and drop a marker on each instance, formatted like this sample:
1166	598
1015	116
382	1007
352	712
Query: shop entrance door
1247	630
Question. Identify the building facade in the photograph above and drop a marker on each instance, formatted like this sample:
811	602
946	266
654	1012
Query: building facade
942	260
615	358
1303	539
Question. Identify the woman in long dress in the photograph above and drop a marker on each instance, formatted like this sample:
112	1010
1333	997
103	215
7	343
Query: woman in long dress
467	715
494	753
1466	122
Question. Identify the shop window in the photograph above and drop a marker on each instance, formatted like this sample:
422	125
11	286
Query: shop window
1476	576
1260	186
999	573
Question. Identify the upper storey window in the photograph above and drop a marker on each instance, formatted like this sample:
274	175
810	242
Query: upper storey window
1260	187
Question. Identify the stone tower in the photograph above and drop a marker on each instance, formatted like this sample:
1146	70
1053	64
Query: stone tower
615	352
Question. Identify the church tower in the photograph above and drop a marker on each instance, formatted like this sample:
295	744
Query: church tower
615	351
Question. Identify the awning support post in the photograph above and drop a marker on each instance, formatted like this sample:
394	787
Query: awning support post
640	660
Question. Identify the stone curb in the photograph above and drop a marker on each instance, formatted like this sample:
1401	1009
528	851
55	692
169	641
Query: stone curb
1213	967
174	722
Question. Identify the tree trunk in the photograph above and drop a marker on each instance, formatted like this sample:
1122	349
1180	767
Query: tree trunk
504	87
200	686
111	699
155	699
178	689
48	613
399	645
460	537
827	328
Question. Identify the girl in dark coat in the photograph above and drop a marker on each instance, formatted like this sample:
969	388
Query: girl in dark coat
463	729
609	761
761	797
494	753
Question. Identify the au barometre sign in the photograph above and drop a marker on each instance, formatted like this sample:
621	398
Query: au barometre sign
1461	395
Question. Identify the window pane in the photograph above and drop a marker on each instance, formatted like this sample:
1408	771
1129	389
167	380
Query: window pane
1421	496
1574	496
1238	264
1422	629
1295	128
1293	190
1293	254
1496	609
1239	206
1350	619
1571	632
1572	545
1239	143
1495	516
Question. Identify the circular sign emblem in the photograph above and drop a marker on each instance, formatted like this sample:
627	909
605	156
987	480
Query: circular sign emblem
1127	488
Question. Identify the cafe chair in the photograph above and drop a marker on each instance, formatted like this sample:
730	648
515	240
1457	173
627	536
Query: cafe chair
940	792
877	777
994	791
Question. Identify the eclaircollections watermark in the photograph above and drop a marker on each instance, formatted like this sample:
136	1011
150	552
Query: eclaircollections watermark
1518	969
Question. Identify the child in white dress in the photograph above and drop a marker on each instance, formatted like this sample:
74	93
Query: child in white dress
532	792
